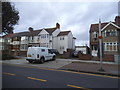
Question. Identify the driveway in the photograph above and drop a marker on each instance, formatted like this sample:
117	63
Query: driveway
48	64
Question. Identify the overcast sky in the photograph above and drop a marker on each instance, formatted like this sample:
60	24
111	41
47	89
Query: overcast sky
74	16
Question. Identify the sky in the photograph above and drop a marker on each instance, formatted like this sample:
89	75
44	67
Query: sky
74	16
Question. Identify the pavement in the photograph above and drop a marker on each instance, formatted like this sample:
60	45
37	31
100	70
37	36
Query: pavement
88	66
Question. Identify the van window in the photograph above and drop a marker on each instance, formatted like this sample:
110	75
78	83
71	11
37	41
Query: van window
43	50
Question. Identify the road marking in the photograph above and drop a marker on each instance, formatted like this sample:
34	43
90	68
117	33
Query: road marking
9	74
79	87
37	79
67	71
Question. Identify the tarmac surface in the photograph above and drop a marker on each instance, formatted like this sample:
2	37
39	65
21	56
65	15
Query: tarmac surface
110	68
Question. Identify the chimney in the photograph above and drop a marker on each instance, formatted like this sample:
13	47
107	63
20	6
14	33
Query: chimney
58	25
117	20
30	29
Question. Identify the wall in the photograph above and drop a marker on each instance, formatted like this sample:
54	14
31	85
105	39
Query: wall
55	43
70	40
62	43
56	32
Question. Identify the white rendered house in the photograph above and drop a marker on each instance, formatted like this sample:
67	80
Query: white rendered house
47	37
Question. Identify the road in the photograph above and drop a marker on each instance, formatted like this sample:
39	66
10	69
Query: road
15	76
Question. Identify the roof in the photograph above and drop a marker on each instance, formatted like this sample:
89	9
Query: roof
8	35
29	33
50	30
32	33
95	27
63	33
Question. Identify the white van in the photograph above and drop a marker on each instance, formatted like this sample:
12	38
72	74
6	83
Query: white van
39	54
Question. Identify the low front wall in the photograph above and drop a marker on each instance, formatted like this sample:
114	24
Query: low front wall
107	57
19	53
84	56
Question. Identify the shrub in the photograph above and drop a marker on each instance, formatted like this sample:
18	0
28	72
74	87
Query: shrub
7	57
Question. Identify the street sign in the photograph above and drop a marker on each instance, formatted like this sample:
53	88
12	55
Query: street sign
100	37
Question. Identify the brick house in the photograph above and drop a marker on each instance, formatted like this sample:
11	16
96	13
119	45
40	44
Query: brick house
111	37
46	37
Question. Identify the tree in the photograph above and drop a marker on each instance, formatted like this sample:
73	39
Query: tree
10	17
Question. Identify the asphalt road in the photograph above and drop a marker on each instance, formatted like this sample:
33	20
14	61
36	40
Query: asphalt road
14	76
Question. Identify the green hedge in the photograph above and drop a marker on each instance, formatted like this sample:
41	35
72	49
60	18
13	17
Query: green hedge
6	57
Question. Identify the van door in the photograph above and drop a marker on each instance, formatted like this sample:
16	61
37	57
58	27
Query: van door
50	54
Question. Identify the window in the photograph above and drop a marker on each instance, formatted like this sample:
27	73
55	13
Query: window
61	38
32	38
110	46
39	37
23	47
111	33
94	47
43	50
95	35
44	35
61	47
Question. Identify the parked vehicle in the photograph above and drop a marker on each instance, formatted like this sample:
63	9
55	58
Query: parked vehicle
39	54
76	53
54	51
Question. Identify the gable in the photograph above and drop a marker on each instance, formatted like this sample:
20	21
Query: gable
110	25
43	32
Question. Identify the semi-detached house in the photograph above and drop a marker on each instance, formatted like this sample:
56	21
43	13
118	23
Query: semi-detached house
47	37
111	37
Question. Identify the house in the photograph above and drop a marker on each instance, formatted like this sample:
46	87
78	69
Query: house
47	37
110	37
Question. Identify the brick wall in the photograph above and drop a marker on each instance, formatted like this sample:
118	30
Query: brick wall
107	57
68	54
84	56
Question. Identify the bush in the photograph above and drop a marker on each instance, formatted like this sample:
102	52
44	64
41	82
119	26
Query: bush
7	57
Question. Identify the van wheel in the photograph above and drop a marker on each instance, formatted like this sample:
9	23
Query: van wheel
42	60
30	61
53	58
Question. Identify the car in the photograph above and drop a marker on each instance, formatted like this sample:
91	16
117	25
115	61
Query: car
39	54
76	53
54	51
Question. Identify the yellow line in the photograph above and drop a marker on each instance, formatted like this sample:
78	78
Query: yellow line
79	87
92	74
9	74
37	79
69	71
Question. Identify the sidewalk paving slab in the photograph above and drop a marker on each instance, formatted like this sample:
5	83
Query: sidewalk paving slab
110	69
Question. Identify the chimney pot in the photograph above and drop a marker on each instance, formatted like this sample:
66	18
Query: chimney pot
58	25
30	29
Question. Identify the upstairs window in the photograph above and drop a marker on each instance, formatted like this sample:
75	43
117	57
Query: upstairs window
44	35
95	35
111	33
61	38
